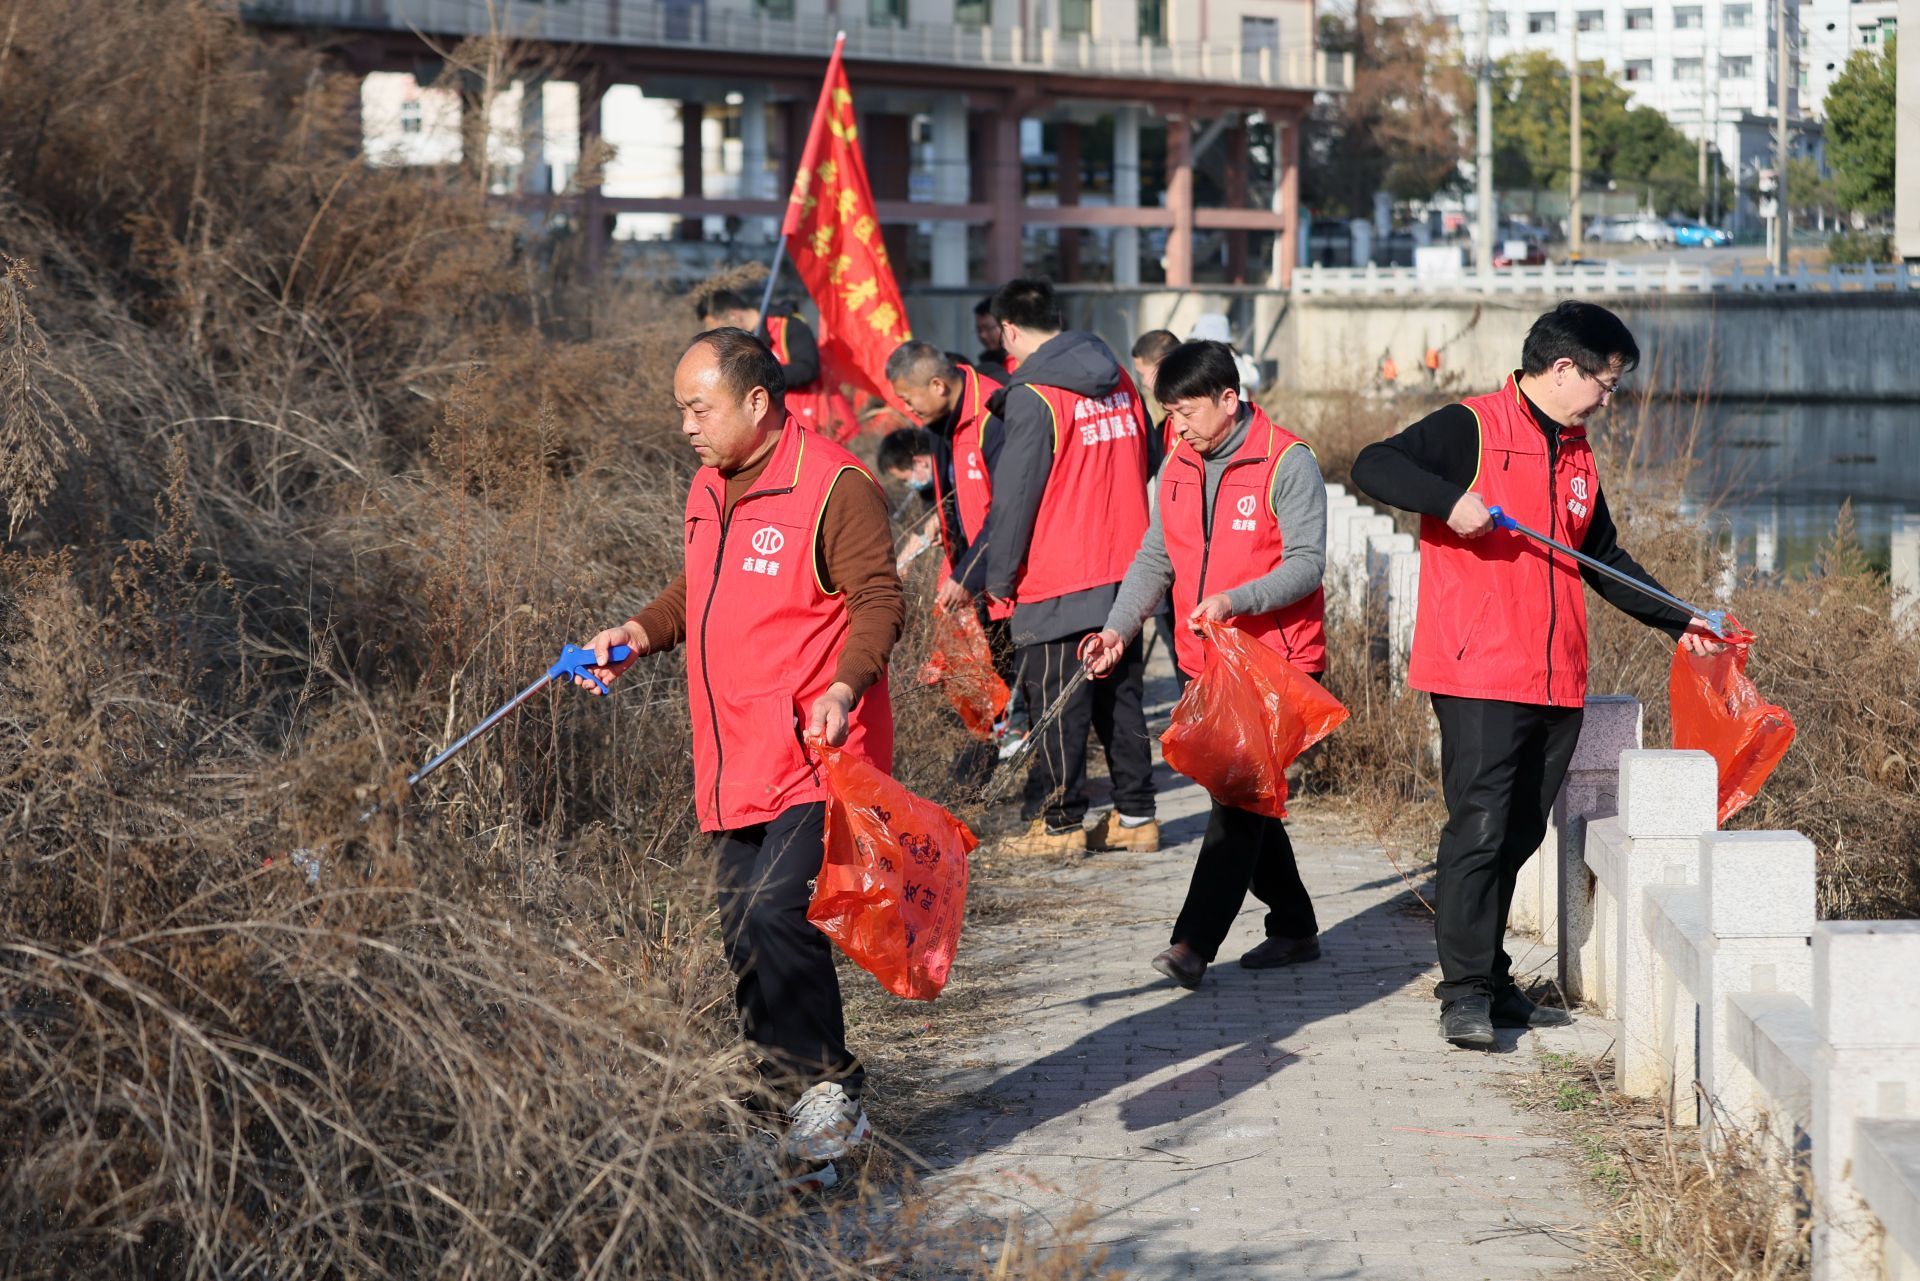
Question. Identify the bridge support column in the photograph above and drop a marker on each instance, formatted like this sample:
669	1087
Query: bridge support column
693	178
1066	150
1179	260
536	175
588	174
1126	193
1236	194
1286	199
950	185
754	178
1006	193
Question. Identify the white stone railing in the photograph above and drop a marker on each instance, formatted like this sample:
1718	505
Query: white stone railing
1735	1004
1601	278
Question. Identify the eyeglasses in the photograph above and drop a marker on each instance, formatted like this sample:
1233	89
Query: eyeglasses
1607	386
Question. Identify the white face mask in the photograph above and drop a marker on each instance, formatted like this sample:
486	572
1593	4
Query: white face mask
920	484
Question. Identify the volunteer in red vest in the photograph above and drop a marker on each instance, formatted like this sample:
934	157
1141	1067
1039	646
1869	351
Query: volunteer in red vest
1149	349
1239	535
789	608
1500	636
1069	511
809	401
950	398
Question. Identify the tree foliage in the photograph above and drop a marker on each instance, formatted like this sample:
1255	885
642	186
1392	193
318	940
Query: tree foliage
1631	148
1860	130
1396	130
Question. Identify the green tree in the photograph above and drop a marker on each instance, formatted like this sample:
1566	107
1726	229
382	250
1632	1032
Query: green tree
1860	129
1394	131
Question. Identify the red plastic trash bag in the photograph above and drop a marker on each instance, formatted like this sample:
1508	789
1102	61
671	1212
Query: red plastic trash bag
892	889
1244	719
1717	710
962	663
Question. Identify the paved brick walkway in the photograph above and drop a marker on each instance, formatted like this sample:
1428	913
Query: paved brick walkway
1285	1123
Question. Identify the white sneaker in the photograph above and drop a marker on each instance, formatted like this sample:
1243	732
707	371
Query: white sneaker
826	1123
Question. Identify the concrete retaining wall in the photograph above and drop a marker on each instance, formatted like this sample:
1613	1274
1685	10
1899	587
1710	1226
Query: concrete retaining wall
1848	347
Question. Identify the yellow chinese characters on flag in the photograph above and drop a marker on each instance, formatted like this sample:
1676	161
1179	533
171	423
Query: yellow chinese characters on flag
833	236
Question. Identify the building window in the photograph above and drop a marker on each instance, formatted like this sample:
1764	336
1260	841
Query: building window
969	13
1740	68
1590	20
1257	34
774	8
1688	69
1736	16
1076	17
887	13
1638	69
1639	19
1688	17
1542	24
1153	20
1497	24
410	116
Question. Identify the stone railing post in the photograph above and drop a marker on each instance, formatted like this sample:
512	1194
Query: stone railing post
1906	572
1866	1009
1381	549
1757	889
1612	725
1668	801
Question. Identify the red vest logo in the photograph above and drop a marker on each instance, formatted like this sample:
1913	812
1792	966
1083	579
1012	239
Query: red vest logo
767	541
1577	504
1245	507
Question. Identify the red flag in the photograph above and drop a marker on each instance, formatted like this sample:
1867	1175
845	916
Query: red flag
833	237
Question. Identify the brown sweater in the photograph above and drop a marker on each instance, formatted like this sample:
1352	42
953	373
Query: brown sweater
854	554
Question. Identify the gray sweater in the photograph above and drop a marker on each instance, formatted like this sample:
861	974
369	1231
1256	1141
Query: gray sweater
1300	502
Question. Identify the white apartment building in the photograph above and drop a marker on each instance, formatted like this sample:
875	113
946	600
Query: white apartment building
1835	30
1707	65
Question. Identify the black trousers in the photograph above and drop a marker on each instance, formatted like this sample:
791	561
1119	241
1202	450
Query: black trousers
784	982
1112	706
1243	850
1501	765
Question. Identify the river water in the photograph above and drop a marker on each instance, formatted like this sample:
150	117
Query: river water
1772	477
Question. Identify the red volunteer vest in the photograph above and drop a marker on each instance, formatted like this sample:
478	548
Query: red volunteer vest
816	408
763	636
972	486
1093	511
1501	616
1243	544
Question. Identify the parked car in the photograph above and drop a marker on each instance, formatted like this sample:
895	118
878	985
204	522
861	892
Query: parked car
1520	252
1697	235
1640	229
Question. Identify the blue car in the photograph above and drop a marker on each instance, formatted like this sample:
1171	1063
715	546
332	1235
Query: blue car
1697	235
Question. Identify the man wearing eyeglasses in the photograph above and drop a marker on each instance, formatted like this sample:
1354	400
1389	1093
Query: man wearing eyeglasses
1500	634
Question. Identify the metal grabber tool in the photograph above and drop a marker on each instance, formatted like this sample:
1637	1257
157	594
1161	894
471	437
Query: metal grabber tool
574	660
1714	618
1011	764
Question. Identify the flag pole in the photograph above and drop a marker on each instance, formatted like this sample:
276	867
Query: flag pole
780	237
773	274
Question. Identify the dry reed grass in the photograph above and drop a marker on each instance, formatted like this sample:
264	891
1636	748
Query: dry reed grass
357	461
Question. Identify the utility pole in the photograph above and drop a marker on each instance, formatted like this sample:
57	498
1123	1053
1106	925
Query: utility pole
1781	221
1574	238
1483	147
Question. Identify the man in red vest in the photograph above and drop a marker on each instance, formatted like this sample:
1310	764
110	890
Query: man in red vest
1500	637
1239	535
789	607
1069	510
809	400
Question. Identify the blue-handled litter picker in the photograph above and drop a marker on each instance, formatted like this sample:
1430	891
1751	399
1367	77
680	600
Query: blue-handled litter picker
1714	618
574	661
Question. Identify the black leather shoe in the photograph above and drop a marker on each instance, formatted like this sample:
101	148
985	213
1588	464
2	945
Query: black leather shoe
1512	1009
1181	964
1467	1022
1277	951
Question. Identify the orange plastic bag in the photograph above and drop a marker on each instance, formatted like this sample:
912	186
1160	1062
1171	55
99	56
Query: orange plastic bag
962	662
1244	719
1717	710
892	890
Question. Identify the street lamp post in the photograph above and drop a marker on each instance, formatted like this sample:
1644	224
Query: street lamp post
1483	147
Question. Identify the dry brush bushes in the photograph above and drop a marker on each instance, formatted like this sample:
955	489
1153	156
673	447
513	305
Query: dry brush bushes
354	468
